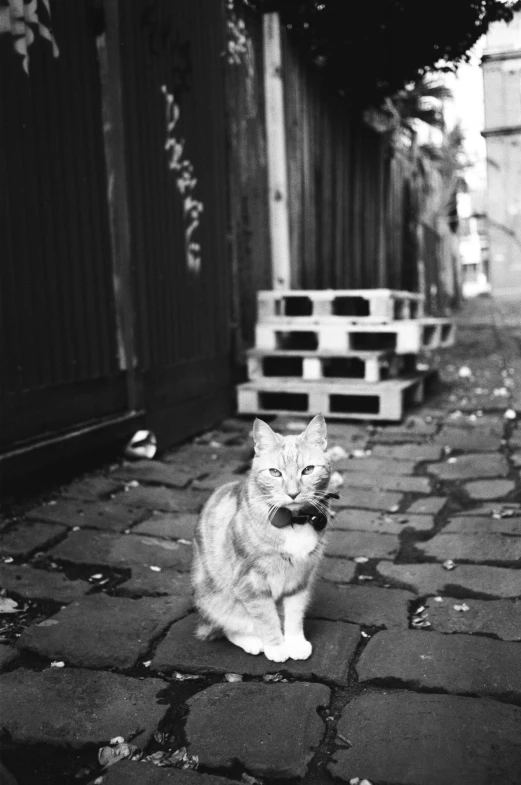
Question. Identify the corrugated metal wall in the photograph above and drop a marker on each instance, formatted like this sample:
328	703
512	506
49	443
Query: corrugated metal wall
172	52
67	324
57	338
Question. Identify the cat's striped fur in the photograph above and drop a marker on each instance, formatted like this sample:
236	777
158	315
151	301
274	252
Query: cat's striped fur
252	581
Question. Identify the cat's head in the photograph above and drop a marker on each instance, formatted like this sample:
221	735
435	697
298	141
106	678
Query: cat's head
290	470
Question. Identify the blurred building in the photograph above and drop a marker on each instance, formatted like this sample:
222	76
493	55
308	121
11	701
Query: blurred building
501	65
473	242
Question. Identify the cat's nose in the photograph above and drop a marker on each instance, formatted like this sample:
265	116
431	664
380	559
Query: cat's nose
292	495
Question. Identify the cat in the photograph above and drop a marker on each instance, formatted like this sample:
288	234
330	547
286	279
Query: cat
246	572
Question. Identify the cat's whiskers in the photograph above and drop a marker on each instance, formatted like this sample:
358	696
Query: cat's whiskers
320	507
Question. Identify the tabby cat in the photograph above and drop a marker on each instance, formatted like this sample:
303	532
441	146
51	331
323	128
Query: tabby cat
253	569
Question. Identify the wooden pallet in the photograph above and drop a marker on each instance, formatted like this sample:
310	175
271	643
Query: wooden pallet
370	367
361	305
319	335
334	397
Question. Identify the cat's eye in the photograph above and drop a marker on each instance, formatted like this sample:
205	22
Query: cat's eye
308	470
275	473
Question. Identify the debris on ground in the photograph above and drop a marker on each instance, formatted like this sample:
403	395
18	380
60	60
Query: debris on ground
336	481
8	606
449	564
420	618
142	445
249	780
113	753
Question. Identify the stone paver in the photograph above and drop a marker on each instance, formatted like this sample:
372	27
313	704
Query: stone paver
356	543
107	515
8	655
432	505
390	482
470	524
173	476
380	523
174	526
334	645
473	548
146	582
489	489
469	440
458	664
467	467
494	508
491	617
91	488
97	548
367	499
6	778
69	707
249	723
103	632
214	481
40	584
337	570
408	452
164	499
423	739
361	605
375	466
147	774
413	429
24	539
467	579
201	460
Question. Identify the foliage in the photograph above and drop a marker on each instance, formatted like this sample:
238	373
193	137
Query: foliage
422	100
371	50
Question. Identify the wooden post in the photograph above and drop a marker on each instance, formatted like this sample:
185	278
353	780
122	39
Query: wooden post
276	143
109	54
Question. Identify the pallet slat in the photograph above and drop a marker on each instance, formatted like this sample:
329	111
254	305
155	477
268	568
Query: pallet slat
334	398
320	335
370	367
363	305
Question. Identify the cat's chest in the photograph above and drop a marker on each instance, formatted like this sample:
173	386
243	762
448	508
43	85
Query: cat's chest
299	541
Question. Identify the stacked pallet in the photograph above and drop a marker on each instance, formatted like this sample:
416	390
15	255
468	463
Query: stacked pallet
346	353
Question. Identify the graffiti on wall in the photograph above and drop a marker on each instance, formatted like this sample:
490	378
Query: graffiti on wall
24	20
185	181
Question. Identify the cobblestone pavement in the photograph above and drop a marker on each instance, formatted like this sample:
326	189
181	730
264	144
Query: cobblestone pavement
416	619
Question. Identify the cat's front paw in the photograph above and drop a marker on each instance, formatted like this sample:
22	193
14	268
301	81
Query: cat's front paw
276	653
298	648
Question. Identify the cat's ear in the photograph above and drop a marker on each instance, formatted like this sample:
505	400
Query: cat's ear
316	432
264	438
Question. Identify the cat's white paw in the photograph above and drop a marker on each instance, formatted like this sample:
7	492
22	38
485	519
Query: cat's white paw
298	648
276	653
250	643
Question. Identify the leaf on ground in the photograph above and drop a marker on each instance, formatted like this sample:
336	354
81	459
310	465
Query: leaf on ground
8	606
107	756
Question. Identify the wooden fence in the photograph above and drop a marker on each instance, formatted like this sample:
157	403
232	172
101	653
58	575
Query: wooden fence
351	197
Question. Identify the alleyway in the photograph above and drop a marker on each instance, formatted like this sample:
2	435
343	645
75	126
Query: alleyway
415	676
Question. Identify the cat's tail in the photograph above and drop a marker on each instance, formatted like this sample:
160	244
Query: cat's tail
206	631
